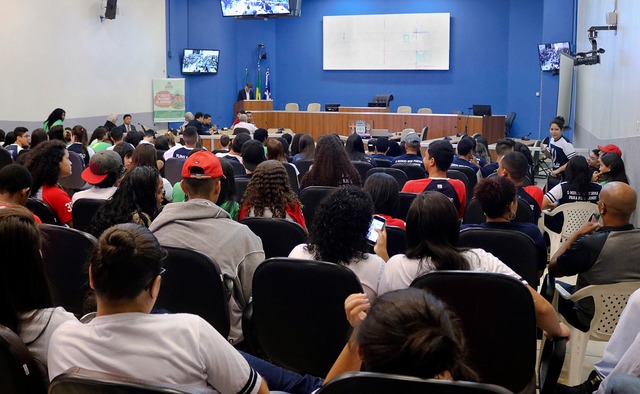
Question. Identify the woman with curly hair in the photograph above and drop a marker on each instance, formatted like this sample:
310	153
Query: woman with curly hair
47	163
137	200
338	235
331	166
55	119
269	194
306	148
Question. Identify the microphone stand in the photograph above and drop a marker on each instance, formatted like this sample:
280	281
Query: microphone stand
466	124
142	126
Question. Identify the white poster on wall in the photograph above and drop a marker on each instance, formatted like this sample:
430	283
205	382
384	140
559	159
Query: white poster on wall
386	42
168	100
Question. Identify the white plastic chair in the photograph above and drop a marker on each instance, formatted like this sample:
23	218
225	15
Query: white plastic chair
576	214
292	107
406	132
404	109
313	107
425	111
609	301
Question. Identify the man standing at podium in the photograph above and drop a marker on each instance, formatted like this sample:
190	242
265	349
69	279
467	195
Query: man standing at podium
246	93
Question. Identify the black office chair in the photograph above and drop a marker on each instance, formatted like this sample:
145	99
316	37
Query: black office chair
513	248
311	197
303	166
298	312
293	177
241	187
455	174
173	169
472	178
382	162
473	213
5	158
399	175
362	167
509	123
20	372
74	181
83	381
404	203
66	253
381	383
238	168
193	283
42	210
499	323
84	210
279	236
411	170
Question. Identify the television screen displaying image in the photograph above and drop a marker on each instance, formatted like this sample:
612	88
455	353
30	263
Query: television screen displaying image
549	55
200	61
255	7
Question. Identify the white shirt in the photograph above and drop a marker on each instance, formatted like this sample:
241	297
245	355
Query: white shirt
36	328
98	193
246	125
369	270
173	348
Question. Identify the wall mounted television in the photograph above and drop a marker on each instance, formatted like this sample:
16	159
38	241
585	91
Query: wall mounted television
200	61
549	55
255	8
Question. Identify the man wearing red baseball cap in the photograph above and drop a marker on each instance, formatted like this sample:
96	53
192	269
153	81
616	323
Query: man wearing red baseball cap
200	224
611	148
103	171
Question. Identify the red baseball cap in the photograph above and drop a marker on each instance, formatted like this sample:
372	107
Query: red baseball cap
101	165
611	148
202	165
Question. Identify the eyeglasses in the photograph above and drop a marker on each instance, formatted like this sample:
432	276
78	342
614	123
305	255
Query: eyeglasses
162	271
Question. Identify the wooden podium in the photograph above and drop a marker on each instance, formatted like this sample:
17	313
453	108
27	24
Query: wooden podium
252	105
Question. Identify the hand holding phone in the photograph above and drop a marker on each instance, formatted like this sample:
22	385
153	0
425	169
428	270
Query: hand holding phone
377	223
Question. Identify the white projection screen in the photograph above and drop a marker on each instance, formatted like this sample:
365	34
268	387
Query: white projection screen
565	87
386	42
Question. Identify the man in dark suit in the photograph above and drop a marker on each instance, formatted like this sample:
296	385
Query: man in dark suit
127	126
198	124
246	93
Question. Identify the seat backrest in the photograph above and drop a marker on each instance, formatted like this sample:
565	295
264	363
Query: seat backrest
173	169
293	177
238	168
314	107
66	255
311	197
362	167
303	166
425	110
298	311
498	320
575	215
472	178
380	383
456	112
406	132
83	381
509	122
399	175
193	284
20	372
404	109
84	210
412	171
383	98
524	214
423	133
241	187
292	107
74	181
455	174
513	248
396	241
473	213
279	236
382	162
404	203
5	158
42	210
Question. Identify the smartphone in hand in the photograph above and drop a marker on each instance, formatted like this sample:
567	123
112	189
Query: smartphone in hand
377	223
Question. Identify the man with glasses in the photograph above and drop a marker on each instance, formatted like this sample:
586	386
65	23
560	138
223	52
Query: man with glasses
22	142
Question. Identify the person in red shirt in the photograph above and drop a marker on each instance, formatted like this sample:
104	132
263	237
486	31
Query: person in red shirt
48	162
15	184
383	189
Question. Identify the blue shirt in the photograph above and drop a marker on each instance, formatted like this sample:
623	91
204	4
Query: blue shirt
408	158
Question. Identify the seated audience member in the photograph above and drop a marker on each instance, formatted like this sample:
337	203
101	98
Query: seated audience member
432	234
200	224
355	149
241	130
611	148
306	148
25	302
236	148
406	332
514	166
577	187
611	169
503	146
394	149
237	119
206	123
110	124
243	124
21	142
593	162
261	135
125	150
148	137
15	184
497	196
134	138
161	144
137	200
57	133
599	255
277	152
49	162
190	136
146	155
100	139
102	173
381	149
437	160
338	235
126	125
250	117
481	150
285	140
38	136
188	117
225	142
125	339
9	139
252	155
412	147
197	123
269	195
295	144
331	165
384	189
79	144
466	157
116	136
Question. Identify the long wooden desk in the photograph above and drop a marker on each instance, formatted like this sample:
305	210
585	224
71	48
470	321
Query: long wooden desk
364	109
440	125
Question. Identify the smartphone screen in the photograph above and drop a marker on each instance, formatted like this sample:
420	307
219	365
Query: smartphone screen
595	218
376	223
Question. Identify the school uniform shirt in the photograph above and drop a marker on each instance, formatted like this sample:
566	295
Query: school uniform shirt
58	200
452	188
561	151
565	192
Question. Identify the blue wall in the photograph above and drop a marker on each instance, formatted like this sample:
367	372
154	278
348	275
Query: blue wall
493	57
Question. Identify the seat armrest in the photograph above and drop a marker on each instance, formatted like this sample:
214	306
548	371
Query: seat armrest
551	360
563	292
548	288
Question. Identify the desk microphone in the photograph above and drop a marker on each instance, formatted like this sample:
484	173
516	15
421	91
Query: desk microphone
466	124
526	137
141	125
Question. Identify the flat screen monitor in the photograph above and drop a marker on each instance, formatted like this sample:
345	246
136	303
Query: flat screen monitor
376	104
481	110
549	55
237	8
200	61
332	107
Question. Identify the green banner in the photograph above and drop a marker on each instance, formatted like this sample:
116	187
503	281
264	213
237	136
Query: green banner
168	100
